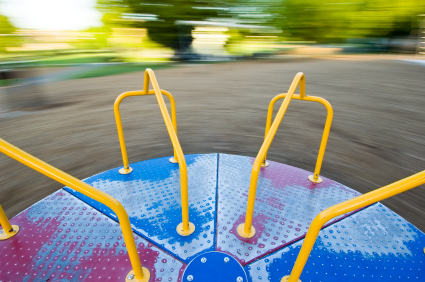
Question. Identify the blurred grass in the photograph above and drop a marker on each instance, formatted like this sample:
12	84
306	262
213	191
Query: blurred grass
76	59
118	69
103	71
6	83
98	64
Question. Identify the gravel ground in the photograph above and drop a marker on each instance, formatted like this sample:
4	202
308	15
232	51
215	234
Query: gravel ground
377	135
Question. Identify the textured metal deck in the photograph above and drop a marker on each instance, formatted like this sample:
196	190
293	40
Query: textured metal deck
63	239
374	244
151	196
286	203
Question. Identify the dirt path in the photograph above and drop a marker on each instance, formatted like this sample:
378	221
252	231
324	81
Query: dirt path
377	137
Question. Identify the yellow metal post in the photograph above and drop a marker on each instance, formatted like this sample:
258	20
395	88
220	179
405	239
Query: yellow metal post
8	230
86	189
345	207
185	228
315	177
246	229
127	169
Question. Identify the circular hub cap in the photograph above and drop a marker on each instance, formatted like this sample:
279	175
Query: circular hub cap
213	267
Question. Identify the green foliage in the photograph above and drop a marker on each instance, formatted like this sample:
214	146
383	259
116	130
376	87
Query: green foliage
159	17
336	20
7	34
97	42
326	21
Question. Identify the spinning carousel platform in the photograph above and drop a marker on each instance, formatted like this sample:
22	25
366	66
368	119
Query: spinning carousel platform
71	237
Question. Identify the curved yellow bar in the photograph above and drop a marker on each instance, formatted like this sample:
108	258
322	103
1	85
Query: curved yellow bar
185	228
119	122
326	130
86	189
245	230
348	206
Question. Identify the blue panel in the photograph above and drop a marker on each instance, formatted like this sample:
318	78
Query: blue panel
151	196
374	244
63	239
214	267
286	203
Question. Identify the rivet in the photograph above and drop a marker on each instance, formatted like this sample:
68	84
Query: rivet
190	278
226	259
203	260
239	279
130	277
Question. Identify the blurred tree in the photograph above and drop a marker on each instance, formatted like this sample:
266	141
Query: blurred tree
8	37
323	21
336	20
99	39
159	18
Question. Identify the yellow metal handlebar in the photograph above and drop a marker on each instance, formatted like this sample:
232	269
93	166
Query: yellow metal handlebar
76	184
315	177
345	207
246	229
185	228
117	113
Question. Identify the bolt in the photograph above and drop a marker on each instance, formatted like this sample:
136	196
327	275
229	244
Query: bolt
239	279
203	260
130	277
226	260
190	278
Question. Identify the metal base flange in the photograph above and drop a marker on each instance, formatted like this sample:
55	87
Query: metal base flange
5	236
285	279
241	231
132	278
123	171
265	164
173	160
311	178
185	233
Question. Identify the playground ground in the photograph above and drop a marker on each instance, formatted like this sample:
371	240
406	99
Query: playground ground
377	136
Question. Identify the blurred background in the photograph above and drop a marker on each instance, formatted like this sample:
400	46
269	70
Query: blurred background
63	63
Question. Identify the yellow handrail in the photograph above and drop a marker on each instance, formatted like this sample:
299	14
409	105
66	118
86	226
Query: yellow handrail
117	113
315	177
8	149
246	229
345	207
185	228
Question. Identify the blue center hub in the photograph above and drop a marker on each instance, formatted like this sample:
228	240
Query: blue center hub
213	267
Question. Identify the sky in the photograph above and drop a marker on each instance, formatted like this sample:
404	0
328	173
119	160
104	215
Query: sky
51	14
